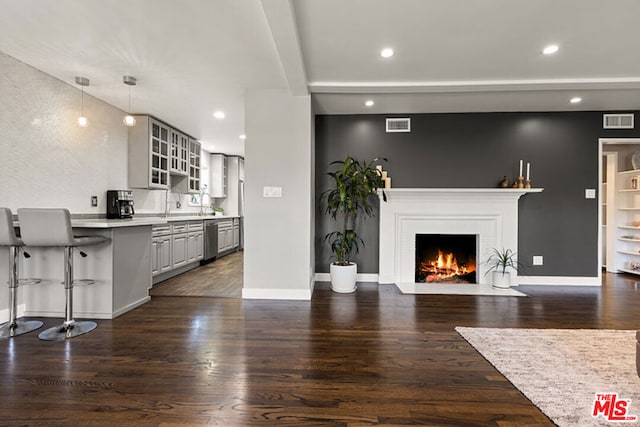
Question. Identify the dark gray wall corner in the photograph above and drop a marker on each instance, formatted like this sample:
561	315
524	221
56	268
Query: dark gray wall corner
475	150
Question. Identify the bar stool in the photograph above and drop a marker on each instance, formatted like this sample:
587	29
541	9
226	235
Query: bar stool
52	228
8	238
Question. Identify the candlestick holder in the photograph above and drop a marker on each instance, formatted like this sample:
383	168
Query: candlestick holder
521	182
527	184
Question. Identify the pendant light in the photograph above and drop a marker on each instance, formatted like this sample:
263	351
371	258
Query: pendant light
129	120
82	81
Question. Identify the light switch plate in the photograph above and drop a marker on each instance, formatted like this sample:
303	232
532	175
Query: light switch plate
271	191
94	201
538	260
590	193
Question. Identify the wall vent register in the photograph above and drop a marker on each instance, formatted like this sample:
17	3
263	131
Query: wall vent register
617	121
398	125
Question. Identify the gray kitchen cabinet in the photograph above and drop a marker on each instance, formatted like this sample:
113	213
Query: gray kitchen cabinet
236	232
164	254
175	245
194	166
218	169
195	241
179	153
225	235
160	249
149	154
179	244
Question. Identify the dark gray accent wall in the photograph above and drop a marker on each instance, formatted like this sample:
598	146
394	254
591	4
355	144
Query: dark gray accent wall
475	150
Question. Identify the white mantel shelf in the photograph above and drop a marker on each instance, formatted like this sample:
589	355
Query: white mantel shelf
410	193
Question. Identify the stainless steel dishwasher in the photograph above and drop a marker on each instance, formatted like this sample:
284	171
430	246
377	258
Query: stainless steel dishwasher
210	239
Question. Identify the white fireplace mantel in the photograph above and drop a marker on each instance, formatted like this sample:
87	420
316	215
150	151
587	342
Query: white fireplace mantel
489	213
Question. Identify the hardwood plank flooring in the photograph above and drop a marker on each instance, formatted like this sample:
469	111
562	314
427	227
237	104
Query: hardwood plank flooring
220	278
375	357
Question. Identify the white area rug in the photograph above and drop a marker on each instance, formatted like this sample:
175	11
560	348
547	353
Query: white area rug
455	289
561	370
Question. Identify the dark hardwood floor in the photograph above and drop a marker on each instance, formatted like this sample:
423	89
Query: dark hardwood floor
375	357
220	278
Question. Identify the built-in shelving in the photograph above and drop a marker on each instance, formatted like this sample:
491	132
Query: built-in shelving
626	239
628	252
627	204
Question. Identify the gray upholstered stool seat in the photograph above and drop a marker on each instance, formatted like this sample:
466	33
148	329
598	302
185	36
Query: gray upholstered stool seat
52	228
8	238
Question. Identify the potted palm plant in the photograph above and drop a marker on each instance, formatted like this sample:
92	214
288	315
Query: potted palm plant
500	261
353	191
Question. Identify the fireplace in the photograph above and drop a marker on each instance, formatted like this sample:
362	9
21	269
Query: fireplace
488	214
446	258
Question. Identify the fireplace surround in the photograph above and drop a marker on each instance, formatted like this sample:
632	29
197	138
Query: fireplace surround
489	213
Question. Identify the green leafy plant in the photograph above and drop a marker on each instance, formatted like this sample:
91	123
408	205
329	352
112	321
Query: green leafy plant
354	185
500	260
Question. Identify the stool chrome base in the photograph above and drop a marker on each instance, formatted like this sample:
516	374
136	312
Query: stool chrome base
19	327
67	330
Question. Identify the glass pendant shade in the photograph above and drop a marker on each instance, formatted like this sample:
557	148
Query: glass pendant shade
82	120
128	119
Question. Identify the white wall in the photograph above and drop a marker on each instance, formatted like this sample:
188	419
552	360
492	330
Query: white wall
49	161
278	152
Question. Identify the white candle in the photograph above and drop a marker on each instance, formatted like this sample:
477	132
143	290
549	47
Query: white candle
520	168
528	167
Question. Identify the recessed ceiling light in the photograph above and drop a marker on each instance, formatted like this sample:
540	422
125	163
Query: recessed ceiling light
551	49
575	100
243	136
369	103
219	115
386	52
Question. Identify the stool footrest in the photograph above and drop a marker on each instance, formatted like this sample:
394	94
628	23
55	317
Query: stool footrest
82	282
29	281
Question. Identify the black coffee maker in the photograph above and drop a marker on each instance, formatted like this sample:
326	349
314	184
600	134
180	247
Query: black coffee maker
119	204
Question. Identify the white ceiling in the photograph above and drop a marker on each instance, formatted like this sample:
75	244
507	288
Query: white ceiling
193	57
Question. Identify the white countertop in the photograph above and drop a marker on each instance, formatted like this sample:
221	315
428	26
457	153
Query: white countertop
139	221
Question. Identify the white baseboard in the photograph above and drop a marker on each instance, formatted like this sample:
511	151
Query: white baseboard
130	307
293	294
558	280
360	277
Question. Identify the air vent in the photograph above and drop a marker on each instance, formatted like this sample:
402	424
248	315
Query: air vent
617	121
398	125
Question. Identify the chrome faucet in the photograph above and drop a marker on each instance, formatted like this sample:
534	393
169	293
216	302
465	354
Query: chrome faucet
203	192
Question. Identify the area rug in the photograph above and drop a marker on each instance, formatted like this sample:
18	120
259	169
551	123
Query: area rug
561	370
456	289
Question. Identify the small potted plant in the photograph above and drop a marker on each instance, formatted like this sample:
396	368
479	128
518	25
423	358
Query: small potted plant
353	191
499	262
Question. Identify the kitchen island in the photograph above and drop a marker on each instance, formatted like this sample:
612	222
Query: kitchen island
121	268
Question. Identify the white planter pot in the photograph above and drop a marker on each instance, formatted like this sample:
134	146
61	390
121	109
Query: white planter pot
343	278
501	281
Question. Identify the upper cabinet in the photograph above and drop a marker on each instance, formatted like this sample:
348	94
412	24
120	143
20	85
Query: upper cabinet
161	157
218	167
149	154
179	153
194	166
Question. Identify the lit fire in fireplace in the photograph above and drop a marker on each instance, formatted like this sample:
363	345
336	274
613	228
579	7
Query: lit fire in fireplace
445	268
